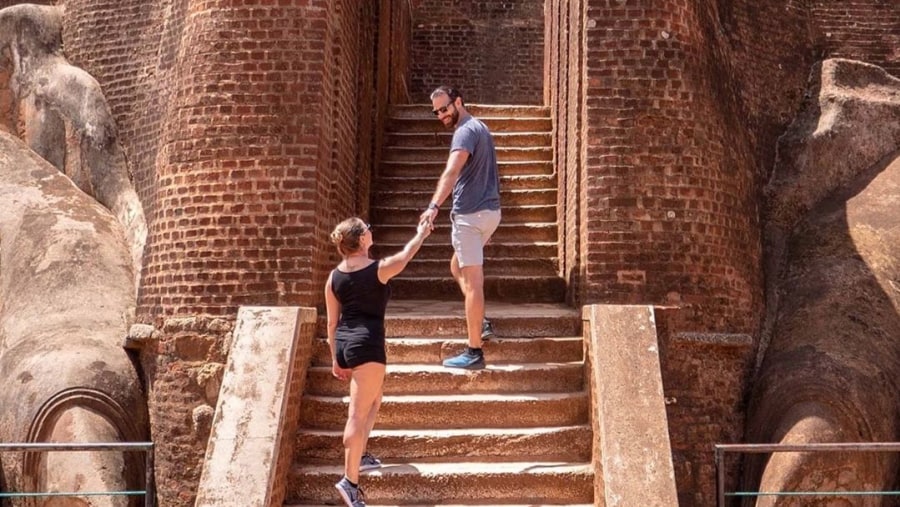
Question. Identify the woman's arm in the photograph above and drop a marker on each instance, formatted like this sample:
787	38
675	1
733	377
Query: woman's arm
333	311
391	266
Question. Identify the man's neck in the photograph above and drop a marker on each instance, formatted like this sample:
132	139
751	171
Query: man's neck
463	116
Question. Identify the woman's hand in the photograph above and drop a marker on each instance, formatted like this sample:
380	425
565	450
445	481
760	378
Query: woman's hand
425	227
340	373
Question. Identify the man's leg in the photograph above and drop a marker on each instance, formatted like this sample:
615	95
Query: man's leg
472	284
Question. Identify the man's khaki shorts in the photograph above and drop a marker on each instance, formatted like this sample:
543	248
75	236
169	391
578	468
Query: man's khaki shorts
470	233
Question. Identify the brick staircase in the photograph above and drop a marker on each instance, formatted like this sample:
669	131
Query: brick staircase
515	433
522	263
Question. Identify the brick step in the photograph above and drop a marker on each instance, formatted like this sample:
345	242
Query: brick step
438	246
497	266
563	443
507	231
428	182
454	411
512	289
420	379
442	138
423	110
433	168
443	505
497	351
508	197
496	124
405	215
433	154
424	318
485	483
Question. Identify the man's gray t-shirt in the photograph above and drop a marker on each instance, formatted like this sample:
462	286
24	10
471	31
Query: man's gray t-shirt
478	185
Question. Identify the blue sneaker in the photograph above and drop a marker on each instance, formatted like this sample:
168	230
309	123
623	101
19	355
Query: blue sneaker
353	496
469	360
368	462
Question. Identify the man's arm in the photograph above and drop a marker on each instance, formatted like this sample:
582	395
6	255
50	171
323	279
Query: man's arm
455	163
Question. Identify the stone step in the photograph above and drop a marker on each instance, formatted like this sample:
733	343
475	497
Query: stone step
430	318
428	182
400	215
506	231
497	351
443	505
508	197
421	379
423	110
439	247
485	483
401	168
441	138
497	266
454	411
434	154
336	502
512	289
563	443
497	124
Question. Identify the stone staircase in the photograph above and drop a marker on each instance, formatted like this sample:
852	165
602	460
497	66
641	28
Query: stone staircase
522	257
515	433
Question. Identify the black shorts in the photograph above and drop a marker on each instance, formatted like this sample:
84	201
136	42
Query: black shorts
352	354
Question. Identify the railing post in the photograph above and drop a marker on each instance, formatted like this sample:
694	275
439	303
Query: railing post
149	492
720	476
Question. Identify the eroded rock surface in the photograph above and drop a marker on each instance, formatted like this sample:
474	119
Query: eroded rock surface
66	299
831	371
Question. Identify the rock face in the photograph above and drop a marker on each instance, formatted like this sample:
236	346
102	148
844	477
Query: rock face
830	372
66	118
66	297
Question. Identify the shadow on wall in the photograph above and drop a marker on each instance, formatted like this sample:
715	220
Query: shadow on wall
831	367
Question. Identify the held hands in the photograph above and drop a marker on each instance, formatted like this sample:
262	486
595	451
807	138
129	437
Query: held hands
428	216
424	228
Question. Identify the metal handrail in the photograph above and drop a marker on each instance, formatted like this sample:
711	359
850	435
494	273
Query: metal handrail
721	449
146	447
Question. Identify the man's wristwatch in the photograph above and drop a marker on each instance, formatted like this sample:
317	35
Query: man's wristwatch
433	205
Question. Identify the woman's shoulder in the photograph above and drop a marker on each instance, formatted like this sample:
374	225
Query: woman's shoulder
343	268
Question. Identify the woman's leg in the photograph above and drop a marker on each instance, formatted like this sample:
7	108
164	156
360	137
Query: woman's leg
373	414
365	397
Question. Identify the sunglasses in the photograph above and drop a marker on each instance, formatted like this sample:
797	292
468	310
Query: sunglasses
442	110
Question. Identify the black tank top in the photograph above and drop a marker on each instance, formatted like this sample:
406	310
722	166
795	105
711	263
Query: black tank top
363	301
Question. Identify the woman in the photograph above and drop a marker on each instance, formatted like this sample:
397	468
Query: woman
356	295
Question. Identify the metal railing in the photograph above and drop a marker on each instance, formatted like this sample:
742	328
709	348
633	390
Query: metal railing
146	447
721	449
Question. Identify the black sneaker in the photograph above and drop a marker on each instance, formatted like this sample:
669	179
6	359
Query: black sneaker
352	496
368	462
487	330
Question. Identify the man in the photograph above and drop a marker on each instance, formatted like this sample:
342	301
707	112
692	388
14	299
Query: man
472	175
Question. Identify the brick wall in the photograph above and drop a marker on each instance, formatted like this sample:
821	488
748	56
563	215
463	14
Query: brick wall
492	50
867	30
669	202
668	216
240	120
